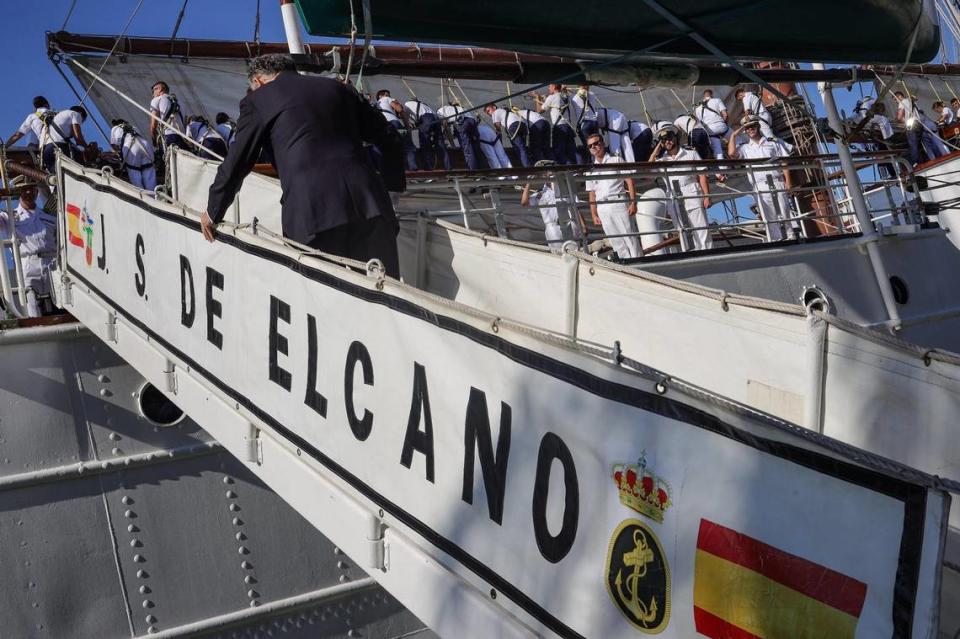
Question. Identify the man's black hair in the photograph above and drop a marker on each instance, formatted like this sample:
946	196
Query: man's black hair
270	64
79	109
221	118
383	92
163	85
40	102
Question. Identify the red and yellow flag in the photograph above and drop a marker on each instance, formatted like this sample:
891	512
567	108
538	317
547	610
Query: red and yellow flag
73	225
746	589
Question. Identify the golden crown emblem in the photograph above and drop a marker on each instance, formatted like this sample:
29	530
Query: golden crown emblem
642	490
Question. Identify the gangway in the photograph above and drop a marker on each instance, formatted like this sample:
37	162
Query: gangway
498	477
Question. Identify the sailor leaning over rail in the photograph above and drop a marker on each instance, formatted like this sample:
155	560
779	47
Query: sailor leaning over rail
563	139
538	135
60	132
772	185
136	153
584	113
547	200
516	129
433	153
32	127
696	135
609	208
208	137
165	109
464	127
226	127
689	211
641	139
394	114
945	114
753	105
712	114
492	147
614	126
38	247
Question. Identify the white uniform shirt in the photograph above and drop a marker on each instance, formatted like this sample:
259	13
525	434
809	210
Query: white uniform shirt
531	116
764	148
711	115
613	121
32	127
384	106
161	106
36	235
136	150
65	120
909	111
504	118
199	132
948	115
753	104
585	106
687	123
609	188
415	110
452	113
553	106
683	155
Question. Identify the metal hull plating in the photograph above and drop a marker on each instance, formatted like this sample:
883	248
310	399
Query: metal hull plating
115	527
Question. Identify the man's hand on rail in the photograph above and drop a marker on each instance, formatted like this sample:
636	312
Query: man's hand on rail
207	227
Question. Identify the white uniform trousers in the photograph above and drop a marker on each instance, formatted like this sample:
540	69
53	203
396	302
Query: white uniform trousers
777	223
691	221
145	179
718	139
615	219
765	129
492	148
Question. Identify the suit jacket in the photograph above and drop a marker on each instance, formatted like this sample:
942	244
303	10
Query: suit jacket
315	128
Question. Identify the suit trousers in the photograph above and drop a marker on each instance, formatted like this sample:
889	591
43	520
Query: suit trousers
375	238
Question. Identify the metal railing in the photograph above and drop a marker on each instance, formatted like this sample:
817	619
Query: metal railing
820	204
13	290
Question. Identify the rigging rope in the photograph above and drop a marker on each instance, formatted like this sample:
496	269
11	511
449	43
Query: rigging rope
115	44
367	37
256	26
69	13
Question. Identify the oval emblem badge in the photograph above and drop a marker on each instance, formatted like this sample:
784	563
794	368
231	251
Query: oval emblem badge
638	577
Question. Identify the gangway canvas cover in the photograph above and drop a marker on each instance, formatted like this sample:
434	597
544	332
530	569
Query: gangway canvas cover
501	481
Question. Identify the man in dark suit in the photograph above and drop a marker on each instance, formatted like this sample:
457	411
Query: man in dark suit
333	199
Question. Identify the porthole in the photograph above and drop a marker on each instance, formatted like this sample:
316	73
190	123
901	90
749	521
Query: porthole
157	408
901	294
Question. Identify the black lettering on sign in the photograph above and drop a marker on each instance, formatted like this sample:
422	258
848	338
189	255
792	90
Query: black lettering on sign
415	439
477	437
186	277
102	258
214	308
139	278
555	548
279	310
313	399
361	426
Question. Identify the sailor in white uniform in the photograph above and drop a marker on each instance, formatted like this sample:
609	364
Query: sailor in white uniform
878	121
689	213
37	235
547	200
610	206
136	153
430	132
515	127
615	128
61	131
165	108
538	135
641	139
200	131
584	112
773	205
945	114
562	135
695	133
32	127
753	105
712	114
393	111
464	126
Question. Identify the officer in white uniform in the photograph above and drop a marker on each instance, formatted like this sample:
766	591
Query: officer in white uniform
464	126
200	131
393	112
136	152
774	205
547	201
712	114
492	147
641	139
753	105
165	108
695	133
226	127
38	248
583	111
424	119
689	214
32	127
610	207
615	128
58	131
515	128
562	135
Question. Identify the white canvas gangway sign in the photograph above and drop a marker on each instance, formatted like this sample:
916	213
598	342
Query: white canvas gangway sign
563	493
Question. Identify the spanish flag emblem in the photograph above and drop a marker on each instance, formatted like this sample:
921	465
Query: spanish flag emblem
746	589
73	225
